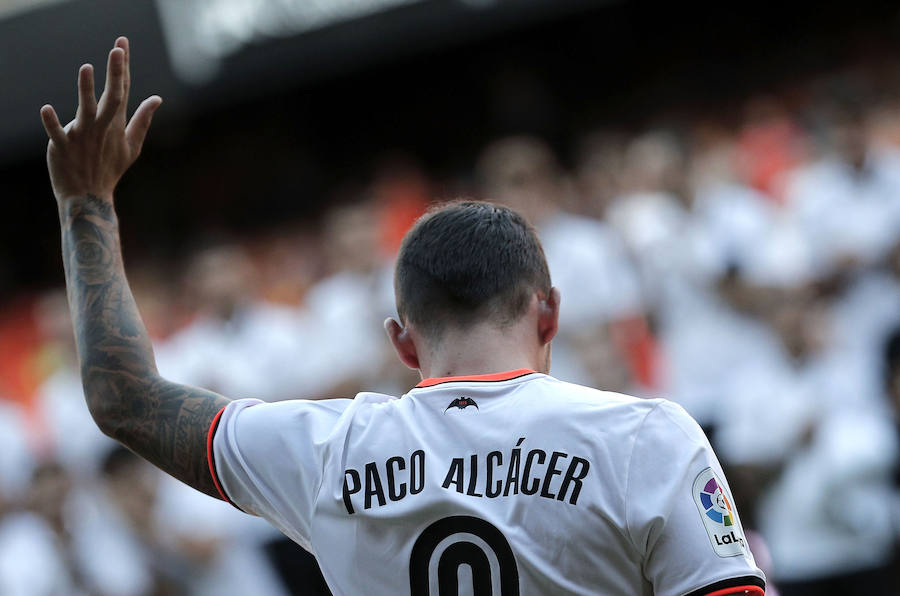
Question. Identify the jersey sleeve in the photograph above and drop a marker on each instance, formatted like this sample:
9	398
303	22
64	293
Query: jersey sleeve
267	459
679	512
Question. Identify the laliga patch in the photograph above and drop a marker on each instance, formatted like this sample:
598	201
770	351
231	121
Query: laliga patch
718	516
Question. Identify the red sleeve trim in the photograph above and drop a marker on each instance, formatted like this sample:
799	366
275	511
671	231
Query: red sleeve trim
210	458
733	586
739	590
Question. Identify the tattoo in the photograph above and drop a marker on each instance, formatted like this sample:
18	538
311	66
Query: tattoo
164	422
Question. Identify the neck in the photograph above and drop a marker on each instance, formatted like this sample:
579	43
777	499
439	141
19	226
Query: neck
481	350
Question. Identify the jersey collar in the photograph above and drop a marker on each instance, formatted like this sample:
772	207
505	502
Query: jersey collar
503	376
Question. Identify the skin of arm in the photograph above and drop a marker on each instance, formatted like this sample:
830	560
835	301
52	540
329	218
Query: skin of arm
164	422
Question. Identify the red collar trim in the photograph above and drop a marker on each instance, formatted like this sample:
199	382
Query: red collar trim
503	376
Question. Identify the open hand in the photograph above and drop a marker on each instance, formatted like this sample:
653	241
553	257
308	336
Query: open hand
90	154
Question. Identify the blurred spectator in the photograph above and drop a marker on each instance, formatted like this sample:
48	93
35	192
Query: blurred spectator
587	260
769	146
653	216
401	194
119	550
221	550
288	263
805	419
17	458
598	172
144	533
866	311
36	553
70	435
30	563
348	306
846	203
236	344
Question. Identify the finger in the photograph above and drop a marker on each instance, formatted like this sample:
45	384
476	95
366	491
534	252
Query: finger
122	42
87	101
52	126
137	129
113	94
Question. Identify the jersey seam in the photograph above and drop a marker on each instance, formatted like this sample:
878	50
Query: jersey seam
690	438
316	497
628	477
687	435
340	421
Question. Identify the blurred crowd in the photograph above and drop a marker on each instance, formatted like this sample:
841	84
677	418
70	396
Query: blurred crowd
748	269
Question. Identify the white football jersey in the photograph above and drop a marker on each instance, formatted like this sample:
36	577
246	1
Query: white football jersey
504	484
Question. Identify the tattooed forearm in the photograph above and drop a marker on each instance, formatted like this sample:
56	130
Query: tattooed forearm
162	421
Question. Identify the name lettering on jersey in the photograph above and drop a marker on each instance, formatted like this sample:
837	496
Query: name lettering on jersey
556	475
402	479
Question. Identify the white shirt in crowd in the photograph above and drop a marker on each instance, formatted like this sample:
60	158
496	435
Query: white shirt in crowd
591	267
847	213
829	431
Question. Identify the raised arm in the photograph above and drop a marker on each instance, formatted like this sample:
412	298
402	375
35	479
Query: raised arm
164	422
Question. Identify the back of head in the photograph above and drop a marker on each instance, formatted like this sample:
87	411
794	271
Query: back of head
468	262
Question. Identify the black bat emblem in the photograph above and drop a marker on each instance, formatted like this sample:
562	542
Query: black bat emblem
462	403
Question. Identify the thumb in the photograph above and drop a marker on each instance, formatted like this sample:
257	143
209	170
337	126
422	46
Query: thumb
136	131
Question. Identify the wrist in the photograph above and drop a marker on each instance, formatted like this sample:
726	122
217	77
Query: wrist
86	204
106	197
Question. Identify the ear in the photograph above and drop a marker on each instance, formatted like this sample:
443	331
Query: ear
402	342
548	316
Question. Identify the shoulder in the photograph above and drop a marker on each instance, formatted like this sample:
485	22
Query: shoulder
651	416
367	405
613	413
327	415
270	419
592	399
668	416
